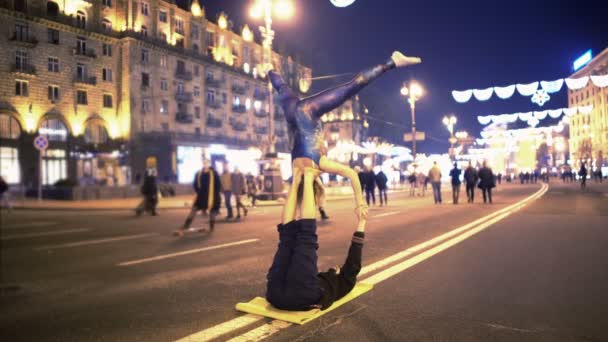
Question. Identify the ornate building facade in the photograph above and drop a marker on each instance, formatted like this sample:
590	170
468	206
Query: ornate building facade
589	132
118	84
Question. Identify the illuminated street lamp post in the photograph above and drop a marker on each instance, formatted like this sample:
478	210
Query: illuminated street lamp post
265	8
413	92
273	181
449	122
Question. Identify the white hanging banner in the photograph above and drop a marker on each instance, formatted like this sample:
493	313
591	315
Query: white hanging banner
527	89
533	122
484	120
483	94
462	96
504	92
600	81
512	118
555	113
570	111
525	116
541	115
577	83
552	86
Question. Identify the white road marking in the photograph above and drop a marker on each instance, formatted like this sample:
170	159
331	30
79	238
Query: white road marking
97	241
386	214
466	231
33	235
192	251
31	224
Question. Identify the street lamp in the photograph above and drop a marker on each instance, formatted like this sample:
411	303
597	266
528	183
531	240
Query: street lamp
449	122
414	91
273	182
266	9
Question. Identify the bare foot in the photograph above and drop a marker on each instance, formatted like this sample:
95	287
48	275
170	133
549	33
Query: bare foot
401	60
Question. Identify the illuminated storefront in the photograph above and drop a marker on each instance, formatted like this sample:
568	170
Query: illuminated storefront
10	132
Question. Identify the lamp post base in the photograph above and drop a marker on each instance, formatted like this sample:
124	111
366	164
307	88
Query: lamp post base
272	188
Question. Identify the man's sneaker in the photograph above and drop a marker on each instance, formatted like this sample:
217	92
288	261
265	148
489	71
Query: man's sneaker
179	233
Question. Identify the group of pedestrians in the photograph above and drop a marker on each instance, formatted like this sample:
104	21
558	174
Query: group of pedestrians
484	179
369	181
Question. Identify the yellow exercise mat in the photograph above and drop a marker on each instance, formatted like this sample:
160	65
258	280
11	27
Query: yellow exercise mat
259	306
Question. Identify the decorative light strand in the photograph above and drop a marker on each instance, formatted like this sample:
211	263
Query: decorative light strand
538	115
463	96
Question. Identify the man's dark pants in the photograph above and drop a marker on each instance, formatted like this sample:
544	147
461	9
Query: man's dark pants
471	192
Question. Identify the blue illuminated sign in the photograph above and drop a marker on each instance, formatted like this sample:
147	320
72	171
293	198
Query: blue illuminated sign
582	60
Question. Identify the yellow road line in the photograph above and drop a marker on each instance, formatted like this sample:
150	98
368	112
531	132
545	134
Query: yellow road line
192	251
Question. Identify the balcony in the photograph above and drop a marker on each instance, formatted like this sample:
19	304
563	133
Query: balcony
239	126
239	89
183	97
239	108
261	113
260	95
215	104
183	118
24	40
85	80
26	69
183	75
84	52
260	130
214	122
213	83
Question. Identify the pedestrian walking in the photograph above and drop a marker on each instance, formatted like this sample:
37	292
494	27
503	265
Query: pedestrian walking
239	189
412	179
470	178
252	189
370	186
226	180
486	182
149	190
435	179
207	187
382	182
455	176
361	176
423	182
4	195
582	172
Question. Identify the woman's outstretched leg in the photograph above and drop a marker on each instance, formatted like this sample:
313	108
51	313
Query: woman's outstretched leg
330	99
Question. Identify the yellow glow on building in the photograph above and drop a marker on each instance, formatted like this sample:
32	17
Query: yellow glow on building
247	34
223	53
222	21
196	10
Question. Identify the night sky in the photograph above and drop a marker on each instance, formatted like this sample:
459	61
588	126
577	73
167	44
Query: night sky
464	44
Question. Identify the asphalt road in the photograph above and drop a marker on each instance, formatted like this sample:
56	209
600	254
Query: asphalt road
539	273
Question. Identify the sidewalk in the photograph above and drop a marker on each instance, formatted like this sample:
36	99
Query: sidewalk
177	202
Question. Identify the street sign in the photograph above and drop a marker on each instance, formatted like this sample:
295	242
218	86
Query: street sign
41	143
420	136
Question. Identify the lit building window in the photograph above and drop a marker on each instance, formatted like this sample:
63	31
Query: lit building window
107	101
9	164
81	19
145	8
162	16
95	133
164	107
179	25
106	25
53	129
9	127
21	88
53	64
163	60
53	93
81	97
107	50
